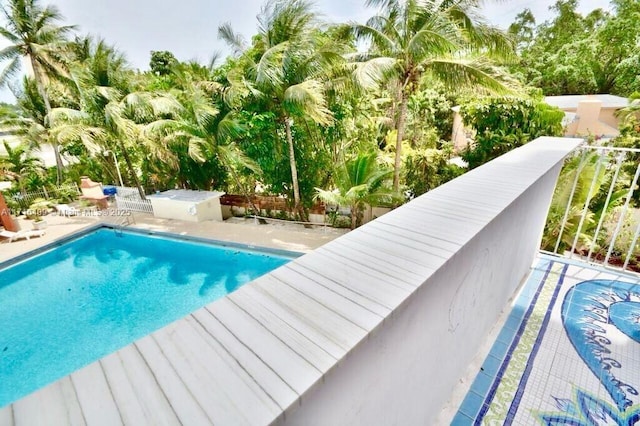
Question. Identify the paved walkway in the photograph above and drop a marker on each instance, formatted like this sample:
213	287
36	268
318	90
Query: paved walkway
569	352
281	236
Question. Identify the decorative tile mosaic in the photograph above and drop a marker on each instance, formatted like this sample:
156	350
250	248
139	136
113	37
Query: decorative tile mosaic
568	354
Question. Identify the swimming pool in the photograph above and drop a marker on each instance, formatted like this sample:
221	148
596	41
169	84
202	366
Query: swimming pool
75	303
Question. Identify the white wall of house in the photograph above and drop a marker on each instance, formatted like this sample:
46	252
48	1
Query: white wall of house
491	218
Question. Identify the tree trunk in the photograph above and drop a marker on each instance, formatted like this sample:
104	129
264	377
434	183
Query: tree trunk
294	168
47	105
249	199
402	117
132	172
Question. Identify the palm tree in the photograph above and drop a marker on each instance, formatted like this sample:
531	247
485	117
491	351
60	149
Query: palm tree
18	163
287	70
33	33
200	126
110	116
359	181
26	119
119	127
411	39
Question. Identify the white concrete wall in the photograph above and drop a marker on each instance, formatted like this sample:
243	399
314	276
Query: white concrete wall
182	210
405	370
209	210
374	328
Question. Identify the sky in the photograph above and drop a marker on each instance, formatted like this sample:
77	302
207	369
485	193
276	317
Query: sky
188	28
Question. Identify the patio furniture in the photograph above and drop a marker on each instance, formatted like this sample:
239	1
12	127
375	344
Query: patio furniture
92	191
14	236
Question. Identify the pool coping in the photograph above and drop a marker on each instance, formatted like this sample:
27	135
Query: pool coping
189	238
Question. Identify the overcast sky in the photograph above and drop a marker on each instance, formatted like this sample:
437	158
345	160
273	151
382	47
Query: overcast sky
188	28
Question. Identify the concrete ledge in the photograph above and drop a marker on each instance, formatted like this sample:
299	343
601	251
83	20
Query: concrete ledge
450	260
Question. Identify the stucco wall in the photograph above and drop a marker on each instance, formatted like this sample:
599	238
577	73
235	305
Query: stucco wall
187	210
607	116
405	370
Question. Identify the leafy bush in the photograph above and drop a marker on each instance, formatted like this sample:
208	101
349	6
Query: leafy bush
504	123
66	194
39	207
428	169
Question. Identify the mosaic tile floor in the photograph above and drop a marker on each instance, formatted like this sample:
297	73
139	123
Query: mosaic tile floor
568	354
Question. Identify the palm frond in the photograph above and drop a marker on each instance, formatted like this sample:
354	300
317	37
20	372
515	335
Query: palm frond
307	98
234	40
456	73
232	156
435	38
165	105
229	129
9	52
196	148
332	197
269	68
381	41
10	71
372	73
9	35
66	115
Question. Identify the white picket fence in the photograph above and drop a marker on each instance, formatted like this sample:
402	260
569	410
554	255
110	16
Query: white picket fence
45	193
132	204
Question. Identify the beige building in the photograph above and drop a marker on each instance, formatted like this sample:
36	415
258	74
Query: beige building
461	136
584	115
589	114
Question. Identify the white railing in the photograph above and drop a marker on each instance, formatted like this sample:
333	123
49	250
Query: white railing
127	192
45	193
134	205
595	214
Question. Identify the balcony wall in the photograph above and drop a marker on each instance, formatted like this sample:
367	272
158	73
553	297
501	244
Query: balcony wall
469	244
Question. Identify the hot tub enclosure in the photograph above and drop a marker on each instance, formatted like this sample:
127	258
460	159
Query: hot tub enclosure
190	206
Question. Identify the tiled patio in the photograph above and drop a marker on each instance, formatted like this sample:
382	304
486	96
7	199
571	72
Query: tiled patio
568	353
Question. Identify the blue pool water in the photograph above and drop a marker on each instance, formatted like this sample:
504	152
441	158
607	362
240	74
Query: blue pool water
72	305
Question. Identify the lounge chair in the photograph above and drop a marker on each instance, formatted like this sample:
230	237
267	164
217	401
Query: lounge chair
66	210
92	191
13	236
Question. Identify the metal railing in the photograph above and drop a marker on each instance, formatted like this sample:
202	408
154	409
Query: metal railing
45	193
595	212
133	204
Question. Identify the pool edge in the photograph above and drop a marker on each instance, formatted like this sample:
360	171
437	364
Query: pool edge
189	238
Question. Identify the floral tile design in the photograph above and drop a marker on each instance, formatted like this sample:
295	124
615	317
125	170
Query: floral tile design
568	354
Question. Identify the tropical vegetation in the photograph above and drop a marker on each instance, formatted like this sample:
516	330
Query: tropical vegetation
352	114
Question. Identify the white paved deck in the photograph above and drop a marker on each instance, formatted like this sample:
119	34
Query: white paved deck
238	230
256	354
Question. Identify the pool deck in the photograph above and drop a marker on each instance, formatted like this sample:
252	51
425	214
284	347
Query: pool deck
568	352
278	236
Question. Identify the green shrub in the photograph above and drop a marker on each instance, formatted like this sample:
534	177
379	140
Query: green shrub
503	123
427	169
